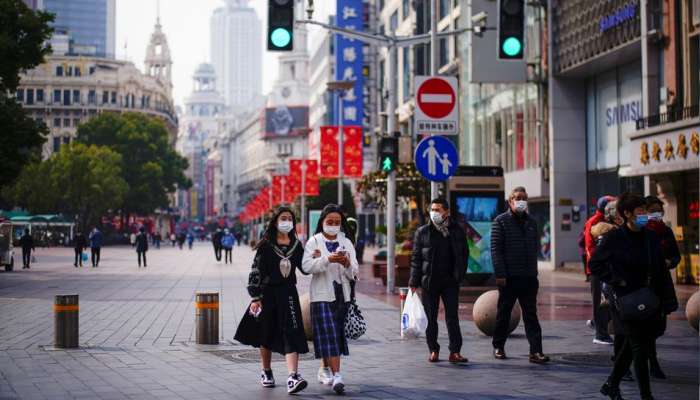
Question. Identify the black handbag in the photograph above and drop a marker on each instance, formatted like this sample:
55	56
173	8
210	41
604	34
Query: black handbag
643	303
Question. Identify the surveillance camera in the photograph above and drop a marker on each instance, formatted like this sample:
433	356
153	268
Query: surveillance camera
479	19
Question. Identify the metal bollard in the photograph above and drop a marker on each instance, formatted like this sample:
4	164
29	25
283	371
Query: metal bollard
403	292
66	310
207	318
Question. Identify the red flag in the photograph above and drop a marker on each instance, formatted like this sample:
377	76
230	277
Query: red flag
329	151
312	179
352	151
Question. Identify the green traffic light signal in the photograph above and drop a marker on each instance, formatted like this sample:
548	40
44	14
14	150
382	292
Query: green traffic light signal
280	37
512	46
387	164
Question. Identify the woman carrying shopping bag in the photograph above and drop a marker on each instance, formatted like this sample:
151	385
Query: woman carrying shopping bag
273	321
330	256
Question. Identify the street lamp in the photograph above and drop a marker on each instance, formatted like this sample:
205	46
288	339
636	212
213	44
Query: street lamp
340	87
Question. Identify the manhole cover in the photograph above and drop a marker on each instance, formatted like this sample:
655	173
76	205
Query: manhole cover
253	356
593	359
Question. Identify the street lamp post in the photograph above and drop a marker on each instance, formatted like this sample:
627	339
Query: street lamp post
433	67
303	200
340	87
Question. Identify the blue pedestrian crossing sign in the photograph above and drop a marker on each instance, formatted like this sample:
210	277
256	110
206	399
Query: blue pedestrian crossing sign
436	158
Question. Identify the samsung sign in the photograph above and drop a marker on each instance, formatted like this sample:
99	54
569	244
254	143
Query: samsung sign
626	13
627	112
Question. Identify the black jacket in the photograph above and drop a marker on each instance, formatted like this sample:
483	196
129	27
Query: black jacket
79	242
265	271
26	242
216	239
422	255
616	265
141	242
514	245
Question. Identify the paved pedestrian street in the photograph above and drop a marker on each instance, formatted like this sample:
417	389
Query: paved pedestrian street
137	341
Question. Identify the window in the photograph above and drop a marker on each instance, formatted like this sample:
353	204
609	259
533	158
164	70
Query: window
91	70
444	52
66	122
69	70
40	95
114	98
92	97
444	8
30	96
57	96
76	96
406	9
77	71
59	70
66	97
66	140
76	122
39	121
57	122
105	97
394	21
406	72
56	144
20	95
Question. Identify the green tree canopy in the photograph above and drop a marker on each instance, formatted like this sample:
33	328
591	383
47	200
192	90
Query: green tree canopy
23	45
150	165
79	181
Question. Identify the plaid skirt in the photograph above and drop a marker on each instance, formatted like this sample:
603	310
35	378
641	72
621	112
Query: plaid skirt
328	325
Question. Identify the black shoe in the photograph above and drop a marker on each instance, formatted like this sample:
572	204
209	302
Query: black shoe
612	392
499	353
75	265
538	358
655	370
627	377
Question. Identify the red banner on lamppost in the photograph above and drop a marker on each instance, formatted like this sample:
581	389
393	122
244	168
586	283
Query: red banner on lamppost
312	178
329	152
352	151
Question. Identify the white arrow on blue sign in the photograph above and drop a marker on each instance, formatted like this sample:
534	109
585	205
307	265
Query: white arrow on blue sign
436	158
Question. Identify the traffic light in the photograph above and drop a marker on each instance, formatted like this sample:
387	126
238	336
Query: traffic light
511	29
388	153
280	25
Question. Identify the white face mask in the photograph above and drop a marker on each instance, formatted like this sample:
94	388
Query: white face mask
436	217
520	206
331	230
285	226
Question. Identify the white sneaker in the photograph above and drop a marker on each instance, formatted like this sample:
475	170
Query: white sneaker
325	377
338	385
267	379
295	383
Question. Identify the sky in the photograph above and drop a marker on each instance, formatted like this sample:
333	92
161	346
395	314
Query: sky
186	25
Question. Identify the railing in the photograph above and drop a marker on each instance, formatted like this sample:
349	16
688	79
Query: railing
672	115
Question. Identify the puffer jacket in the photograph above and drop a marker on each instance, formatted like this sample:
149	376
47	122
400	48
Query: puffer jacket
422	256
514	245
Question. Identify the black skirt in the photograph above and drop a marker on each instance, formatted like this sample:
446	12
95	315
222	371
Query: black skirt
279	327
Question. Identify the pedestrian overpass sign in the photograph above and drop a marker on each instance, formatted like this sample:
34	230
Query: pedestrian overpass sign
436	158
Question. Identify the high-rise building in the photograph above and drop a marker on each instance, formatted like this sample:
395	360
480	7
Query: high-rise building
236	52
88	25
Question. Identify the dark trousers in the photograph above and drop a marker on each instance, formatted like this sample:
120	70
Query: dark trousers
524	290
140	255
449	294
26	257
601	315
78	257
228	256
635	349
95	256
217	253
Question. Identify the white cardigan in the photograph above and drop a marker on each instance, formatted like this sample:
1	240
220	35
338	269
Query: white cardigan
324	272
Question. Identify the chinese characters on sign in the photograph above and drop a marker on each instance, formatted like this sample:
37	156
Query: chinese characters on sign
349	60
683	147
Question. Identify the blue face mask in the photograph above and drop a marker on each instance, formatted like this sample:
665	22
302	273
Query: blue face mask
641	220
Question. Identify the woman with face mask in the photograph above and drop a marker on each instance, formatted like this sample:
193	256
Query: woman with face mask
629	260
330	257
273	321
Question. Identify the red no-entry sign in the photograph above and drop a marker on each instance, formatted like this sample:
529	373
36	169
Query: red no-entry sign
437	110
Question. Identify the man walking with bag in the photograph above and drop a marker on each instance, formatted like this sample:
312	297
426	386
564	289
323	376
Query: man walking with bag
438	265
95	246
514	245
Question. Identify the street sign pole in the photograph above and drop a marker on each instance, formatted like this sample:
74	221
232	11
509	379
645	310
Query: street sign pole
340	148
391	179
433	68
303	201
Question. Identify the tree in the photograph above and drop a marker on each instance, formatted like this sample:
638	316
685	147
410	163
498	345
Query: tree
24	36
150	165
328	194
409	184
79	181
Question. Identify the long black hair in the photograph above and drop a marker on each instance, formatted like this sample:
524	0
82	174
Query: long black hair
270	233
329	209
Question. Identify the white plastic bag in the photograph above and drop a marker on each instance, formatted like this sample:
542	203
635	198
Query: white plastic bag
413	319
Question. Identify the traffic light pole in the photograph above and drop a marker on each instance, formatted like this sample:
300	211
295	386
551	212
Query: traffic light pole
433	68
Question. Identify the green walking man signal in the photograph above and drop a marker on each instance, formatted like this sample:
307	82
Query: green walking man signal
388	153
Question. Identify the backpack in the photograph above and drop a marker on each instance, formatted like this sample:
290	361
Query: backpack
227	240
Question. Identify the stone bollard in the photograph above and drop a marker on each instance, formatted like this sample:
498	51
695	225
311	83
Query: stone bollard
66	310
692	310
484	313
207	318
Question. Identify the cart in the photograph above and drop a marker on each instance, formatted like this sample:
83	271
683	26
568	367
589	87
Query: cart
7	252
